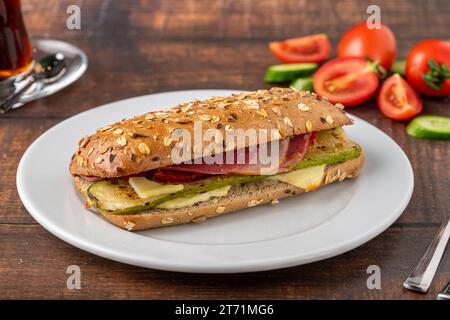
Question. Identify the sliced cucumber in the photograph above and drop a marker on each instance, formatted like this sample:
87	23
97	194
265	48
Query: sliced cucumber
118	198
399	67
303	84
115	196
208	185
331	158
289	71
430	127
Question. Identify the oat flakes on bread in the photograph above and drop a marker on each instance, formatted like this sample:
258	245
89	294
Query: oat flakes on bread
143	142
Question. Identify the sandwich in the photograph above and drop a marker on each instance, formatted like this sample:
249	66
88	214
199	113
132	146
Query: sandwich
148	171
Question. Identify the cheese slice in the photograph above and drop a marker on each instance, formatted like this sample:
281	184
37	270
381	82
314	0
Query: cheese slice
145	188
190	201
307	179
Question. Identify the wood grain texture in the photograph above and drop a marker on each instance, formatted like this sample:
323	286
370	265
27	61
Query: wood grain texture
140	47
33	265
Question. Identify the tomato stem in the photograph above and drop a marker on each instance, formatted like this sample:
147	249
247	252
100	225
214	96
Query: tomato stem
377	68
437	74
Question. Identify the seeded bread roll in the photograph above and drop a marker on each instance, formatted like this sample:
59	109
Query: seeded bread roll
239	197
144	142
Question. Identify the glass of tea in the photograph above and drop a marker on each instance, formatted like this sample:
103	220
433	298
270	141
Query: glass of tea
16	53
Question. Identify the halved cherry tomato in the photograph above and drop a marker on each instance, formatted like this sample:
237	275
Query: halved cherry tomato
397	100
427	67
377	44
314	48
349	81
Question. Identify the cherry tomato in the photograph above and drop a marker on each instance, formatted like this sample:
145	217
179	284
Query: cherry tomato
397	100
377	44
427	67
314	48
349	81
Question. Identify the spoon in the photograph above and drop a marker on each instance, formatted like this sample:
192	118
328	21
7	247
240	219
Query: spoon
47	69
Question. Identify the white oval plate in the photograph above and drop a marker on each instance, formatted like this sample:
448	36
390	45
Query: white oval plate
299	230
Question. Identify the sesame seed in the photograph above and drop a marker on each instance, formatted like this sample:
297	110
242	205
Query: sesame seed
105	128
275	201
122	141
118	131
143	148
81	162
329	119
288	122
129	225
167	220
342	177
309	126
276	111
205	117
220	209
167	141
215	119
99	160
84	142
253	203
252	104
262	112
199	219
303	107
183	120
339	106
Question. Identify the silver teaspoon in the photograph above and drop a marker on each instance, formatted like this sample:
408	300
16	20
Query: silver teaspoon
48	68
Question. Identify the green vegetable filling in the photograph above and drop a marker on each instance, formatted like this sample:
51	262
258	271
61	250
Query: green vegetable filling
118	197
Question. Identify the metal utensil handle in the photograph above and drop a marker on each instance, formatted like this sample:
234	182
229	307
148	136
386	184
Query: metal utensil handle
421	277
445	294
15	97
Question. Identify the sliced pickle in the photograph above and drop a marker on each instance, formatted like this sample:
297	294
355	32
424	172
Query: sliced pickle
120	198
116	196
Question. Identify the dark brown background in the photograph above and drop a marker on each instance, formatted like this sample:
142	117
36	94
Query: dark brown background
140	47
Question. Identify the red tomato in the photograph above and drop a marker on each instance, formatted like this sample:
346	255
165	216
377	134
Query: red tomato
315	48
427	67
349	81
377	44
397	100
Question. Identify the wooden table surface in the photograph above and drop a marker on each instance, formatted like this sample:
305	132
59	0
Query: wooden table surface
146	46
